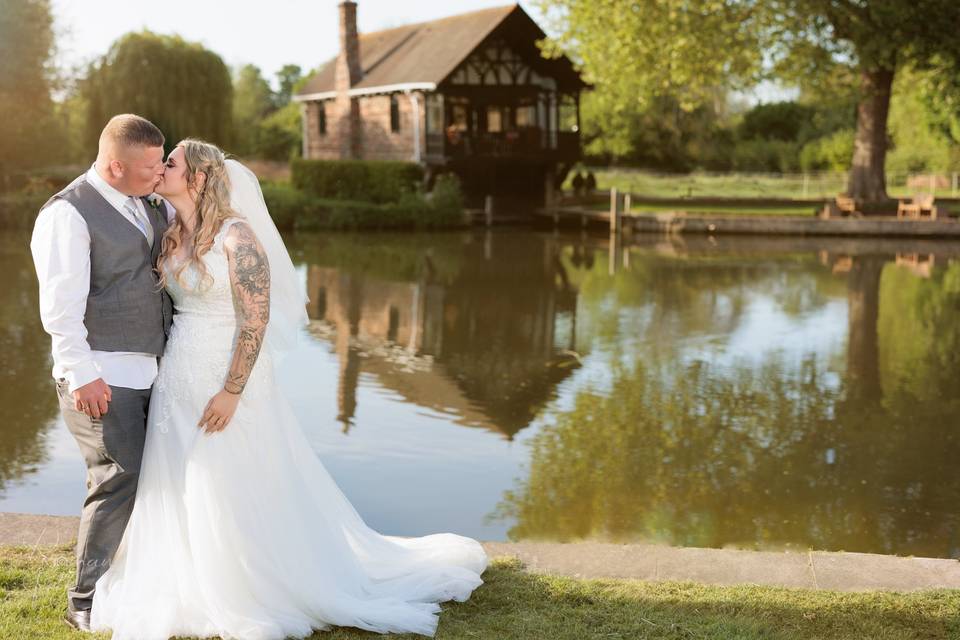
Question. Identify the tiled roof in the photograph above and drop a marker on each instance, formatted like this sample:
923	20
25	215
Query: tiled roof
426	52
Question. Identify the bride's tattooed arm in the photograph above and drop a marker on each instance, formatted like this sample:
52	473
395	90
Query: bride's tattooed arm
250	282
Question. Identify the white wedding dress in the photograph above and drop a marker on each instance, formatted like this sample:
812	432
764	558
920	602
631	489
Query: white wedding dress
243	533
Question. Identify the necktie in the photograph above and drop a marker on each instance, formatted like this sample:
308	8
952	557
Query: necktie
140	218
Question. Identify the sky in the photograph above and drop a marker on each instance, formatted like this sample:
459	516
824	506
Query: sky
267	34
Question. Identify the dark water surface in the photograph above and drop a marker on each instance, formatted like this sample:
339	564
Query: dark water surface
751	393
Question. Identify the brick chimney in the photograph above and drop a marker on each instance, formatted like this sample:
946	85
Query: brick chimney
348	72
346	75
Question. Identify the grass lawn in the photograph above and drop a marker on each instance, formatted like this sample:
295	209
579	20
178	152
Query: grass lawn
737	185
645	206
514	604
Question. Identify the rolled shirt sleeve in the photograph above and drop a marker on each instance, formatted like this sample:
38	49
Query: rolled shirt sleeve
60	245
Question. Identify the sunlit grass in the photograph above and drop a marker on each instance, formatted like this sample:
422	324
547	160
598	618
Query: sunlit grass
513	604
739	185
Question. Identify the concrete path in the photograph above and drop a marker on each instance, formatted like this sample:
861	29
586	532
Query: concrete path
842	571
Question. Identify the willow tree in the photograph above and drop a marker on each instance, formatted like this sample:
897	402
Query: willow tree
180	86
28	132
635	51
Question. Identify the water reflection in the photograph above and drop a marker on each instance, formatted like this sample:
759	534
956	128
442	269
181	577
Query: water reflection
712	392
27	395
479	327
687	448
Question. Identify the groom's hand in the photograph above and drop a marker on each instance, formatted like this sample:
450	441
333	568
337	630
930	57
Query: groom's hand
92	398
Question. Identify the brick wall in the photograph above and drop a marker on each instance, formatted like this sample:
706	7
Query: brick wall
376	140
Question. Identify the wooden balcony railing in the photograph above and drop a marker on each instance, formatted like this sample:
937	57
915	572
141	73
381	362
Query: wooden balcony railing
527	142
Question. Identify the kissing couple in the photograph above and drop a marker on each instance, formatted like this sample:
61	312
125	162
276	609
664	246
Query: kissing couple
169	296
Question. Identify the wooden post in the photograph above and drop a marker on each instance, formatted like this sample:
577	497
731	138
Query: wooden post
615	229
953	190
488	210
614	211
626	202
612	256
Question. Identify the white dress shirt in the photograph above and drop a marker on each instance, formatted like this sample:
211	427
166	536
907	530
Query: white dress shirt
61	253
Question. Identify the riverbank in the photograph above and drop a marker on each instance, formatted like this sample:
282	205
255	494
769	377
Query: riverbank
817	570
516	604
589	590
681	222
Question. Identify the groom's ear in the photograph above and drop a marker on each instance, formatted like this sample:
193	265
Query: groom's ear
116	168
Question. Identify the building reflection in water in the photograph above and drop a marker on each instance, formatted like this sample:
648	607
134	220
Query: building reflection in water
482	338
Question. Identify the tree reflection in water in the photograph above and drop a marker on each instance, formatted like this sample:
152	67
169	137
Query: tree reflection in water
28	401
696	453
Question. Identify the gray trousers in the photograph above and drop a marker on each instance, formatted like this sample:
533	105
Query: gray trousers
112	447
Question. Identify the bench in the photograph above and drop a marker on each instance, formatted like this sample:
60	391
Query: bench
842	205
915	207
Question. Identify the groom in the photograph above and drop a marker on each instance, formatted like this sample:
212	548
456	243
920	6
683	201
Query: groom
95	246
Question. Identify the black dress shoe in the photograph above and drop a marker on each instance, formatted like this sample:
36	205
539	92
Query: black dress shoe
79	620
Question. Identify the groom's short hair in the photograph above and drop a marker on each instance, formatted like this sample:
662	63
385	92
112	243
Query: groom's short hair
129	130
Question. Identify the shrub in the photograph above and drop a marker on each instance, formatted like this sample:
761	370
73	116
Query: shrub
284	203
832	152
377	181
291	208
765	155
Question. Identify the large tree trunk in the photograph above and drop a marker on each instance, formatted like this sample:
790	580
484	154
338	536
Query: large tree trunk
867	182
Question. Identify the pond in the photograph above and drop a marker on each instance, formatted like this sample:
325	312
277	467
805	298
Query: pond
754	393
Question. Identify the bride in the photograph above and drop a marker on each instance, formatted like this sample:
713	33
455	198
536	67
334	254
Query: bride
237	529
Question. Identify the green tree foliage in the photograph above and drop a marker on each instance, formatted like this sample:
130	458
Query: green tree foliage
916	145
289	79
252	101
922	125
658	135
829	153
775	121
180	86
874	40
267	122
29	132
686	49
636	51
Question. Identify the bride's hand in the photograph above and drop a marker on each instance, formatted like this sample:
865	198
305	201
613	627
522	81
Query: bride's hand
219	410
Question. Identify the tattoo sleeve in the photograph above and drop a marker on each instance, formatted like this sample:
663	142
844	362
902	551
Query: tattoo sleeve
250	283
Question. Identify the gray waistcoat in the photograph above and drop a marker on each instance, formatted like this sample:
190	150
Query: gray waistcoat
125	312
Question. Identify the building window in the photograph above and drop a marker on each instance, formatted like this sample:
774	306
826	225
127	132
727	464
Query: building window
494	119
526	116
458	117
322	118
394	113
434	113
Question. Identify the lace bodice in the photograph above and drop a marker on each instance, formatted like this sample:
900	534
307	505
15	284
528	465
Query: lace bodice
214	299
204	331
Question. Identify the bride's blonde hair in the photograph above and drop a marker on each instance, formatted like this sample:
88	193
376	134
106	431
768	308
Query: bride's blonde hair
213	207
